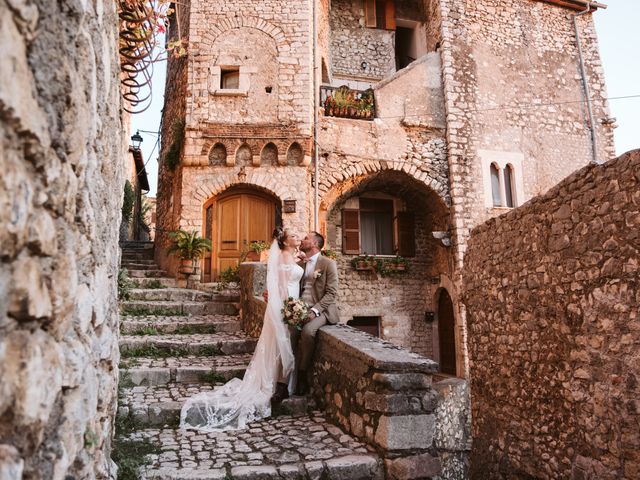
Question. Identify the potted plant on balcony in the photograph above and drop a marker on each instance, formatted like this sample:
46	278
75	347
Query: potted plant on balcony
188	247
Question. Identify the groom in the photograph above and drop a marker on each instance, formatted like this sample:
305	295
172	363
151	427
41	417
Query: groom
318	288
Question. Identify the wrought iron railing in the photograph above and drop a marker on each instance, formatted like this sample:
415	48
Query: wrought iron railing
346	102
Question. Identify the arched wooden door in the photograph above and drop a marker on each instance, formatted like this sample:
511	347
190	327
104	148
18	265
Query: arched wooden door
240	218
446	334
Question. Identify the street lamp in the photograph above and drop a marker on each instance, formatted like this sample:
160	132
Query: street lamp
136	140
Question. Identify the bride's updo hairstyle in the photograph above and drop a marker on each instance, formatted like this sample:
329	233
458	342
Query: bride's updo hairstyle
280	235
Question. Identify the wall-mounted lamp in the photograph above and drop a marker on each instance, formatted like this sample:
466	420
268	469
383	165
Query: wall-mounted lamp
364	65
429	317
136	140
435	280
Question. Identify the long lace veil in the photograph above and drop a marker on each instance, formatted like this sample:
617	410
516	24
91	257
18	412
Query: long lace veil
239	402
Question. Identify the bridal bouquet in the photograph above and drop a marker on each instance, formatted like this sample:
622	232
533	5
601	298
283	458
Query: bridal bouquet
294	312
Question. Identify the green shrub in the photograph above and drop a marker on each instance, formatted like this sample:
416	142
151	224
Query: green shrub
128	201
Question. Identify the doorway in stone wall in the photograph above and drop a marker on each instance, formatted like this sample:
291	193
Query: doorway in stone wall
234	220
446	333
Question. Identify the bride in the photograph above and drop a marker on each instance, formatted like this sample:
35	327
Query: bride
239	402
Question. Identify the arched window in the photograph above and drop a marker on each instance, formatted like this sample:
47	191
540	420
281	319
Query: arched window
495	186
508	185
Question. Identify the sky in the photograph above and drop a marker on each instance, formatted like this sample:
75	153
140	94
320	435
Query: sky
618	29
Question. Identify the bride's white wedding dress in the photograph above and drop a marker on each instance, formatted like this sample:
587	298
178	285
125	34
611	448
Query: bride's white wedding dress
240	402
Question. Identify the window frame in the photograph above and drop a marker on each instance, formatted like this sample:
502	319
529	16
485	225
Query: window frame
402	225
502	160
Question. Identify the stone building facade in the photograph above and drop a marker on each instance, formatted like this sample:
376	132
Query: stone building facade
554	331
62	159
478	107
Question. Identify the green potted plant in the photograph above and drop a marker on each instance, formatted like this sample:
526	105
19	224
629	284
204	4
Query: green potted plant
256	252
188	247
362	262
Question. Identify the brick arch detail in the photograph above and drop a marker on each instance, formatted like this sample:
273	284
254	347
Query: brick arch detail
329	191
257	23
220	184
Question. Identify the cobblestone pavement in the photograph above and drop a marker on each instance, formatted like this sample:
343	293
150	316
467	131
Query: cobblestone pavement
304	443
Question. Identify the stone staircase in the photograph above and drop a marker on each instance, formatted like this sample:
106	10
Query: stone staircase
178	342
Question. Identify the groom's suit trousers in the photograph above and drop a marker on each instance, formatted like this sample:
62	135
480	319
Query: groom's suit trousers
305	341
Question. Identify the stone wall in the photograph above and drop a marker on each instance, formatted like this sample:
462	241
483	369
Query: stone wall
62	161
352	43
552	294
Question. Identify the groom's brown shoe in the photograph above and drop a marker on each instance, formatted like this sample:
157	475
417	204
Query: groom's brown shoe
282	392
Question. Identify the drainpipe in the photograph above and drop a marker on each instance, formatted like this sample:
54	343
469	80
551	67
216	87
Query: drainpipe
315	118
583	73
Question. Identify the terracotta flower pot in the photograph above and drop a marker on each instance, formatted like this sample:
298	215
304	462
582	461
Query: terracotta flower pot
253	256
187	266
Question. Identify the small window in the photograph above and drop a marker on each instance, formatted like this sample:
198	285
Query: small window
508	185
495	186
370	325
230	78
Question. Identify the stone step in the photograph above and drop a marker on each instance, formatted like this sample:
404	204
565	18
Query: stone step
135	244
284	447
132	256
137	263
181	345
167	282
147	371
181	294
137	273
170	294
149	325
143	308
139	266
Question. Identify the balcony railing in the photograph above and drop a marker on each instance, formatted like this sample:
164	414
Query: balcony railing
345	102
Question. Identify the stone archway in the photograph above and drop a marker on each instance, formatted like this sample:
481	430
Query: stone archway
410	211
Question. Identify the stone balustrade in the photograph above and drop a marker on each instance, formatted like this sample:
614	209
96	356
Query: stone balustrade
381	393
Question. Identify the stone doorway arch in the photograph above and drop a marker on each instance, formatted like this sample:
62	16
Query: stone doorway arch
233	220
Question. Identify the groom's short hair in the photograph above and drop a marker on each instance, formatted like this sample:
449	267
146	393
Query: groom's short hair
319	239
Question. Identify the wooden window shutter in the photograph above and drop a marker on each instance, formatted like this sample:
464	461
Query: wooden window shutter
406	234
370	13
390	15
351	231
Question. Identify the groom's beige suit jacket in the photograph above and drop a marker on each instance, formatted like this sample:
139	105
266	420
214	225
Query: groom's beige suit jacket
324	287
